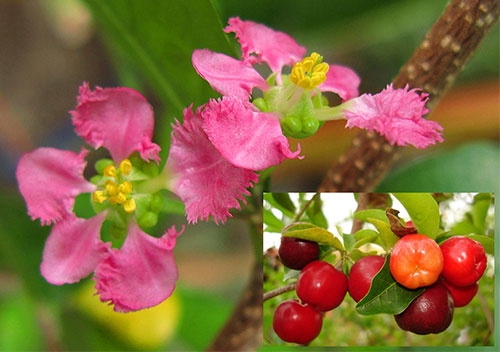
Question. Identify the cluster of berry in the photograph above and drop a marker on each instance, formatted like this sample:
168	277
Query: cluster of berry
416	261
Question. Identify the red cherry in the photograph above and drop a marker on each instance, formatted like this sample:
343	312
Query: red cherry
464	260
462	295
361	275
295	322
296	253
321	285
431	312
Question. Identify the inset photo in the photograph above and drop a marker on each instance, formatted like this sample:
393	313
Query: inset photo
378	269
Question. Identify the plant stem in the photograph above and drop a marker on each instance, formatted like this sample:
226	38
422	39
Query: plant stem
278	291
304	208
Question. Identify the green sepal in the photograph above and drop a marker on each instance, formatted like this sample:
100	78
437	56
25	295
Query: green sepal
147	219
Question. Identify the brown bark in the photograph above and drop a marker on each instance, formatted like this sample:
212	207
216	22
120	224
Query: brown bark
435	64
447	47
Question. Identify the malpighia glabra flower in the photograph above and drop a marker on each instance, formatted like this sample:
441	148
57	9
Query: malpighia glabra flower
216	151
142	273
393	113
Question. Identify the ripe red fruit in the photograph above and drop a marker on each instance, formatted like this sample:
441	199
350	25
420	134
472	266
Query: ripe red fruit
416	261
462	295
464	260
321	285
361	275
296	253
431	312
295	322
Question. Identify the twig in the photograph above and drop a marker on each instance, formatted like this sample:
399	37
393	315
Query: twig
278	291
435	64
363	200
304	208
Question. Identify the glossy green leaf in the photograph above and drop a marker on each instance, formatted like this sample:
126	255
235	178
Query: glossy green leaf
284	200
357	254
349	241
423	210
272	229
480	208
290	274
365	240
312	232
378	214
315	213
270	199
386	295
359	235
471	167
271	220
487	242
385	233
464	228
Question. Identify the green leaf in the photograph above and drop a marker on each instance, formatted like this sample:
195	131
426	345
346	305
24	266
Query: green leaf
471	167
423	210
480	210
271	220
315	213
312	232
464	227
365	240
357	254
290	274
385	233
154	40
378	214
272	229
366	233
349	241
487	242
386	295
270	199
284	200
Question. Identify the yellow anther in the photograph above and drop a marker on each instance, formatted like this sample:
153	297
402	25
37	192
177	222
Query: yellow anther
129	206
125	187
120	198
110	171
125	166
111	188
322	67
99	196
310	72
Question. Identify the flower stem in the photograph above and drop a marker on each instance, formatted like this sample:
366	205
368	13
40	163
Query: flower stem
331	113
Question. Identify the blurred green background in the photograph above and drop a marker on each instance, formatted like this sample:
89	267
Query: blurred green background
50	46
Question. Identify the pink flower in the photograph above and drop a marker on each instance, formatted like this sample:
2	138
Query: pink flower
142	273
277	49
395	114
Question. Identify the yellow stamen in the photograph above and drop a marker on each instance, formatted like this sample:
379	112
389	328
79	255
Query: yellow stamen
99	196
125	166
310	72
111	188
125	187
129	206
120	198
110	171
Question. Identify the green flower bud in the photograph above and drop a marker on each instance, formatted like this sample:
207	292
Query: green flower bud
261	104
148	219
101	164
96	179
310	126
291	126
156	202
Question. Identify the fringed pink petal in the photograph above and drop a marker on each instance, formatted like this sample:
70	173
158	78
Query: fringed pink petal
247	138
118	119
397	115
226	75
73	249
206	182
277	49
49	180
341	80
141	274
